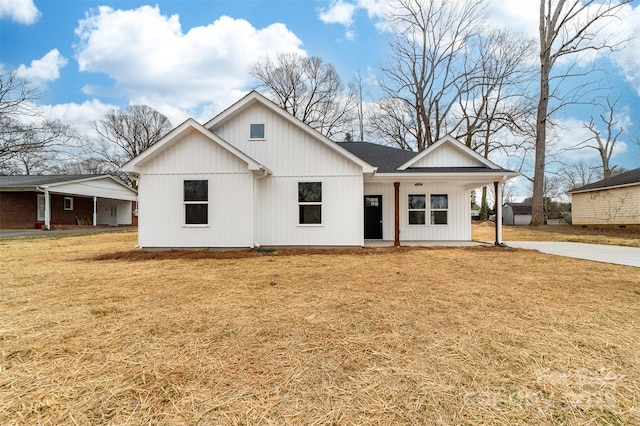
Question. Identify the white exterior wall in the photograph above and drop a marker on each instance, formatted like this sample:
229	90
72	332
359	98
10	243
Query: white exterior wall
617	206
342	212
287	150
293	156
161	203
458	227
102	211
448	156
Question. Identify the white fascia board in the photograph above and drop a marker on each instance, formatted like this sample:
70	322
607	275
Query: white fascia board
52	186
257	97
488	177
456	144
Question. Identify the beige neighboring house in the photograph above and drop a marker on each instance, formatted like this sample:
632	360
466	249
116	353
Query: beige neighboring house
610	202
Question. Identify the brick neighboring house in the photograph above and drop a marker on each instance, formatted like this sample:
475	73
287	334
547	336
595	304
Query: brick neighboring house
46	201
612	202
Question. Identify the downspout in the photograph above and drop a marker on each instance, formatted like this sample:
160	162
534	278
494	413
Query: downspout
498	186
95	210
396	238
47	210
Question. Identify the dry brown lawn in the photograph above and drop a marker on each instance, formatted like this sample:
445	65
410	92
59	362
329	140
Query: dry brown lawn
93	331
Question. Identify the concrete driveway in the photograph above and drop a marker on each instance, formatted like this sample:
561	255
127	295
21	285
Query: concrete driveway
629	256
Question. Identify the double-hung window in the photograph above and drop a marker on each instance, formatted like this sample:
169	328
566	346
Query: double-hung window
196	202
310	203
417	209
68	203
439	209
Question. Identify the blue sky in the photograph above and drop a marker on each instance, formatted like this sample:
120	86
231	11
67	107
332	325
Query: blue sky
188	58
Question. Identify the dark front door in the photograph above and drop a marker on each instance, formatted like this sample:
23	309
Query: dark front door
373	217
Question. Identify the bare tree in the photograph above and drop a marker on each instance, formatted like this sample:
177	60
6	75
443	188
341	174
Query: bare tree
26	138
566	28
430	45
605	141
125	134
309	89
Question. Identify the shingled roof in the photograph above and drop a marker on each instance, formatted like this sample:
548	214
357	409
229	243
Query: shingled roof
632	177
389	160
39	180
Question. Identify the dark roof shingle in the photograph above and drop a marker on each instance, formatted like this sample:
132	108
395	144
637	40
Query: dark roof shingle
627	178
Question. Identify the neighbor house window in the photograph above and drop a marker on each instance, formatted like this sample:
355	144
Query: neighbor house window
417	209
196	202
439	209
41	207
256	131
68	203
310	203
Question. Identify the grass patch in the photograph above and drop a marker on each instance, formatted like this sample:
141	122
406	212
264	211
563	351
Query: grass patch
93	331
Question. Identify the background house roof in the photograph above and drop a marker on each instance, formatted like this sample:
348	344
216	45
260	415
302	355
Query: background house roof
520	208
39	180
632	177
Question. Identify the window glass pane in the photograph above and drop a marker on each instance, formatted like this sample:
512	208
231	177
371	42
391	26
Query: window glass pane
439	217
311	214
256	131
417	217
439	201
310	192
371	202
417	201
40	207
196	214
196	190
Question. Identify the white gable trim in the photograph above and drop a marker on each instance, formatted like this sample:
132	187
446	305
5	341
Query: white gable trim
454	143
170	138
254	96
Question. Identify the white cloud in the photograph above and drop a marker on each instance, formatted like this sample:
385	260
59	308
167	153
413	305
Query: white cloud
339	12
80	116
43	70
21	11
149	56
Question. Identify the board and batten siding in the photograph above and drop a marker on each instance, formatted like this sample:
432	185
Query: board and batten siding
616	206
161	202
342	212
446	155
287	150
458	227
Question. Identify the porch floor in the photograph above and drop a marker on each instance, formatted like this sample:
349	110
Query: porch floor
383	243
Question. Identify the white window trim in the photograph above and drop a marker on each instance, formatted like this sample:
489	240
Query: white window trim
312	203
264	136
70	208
439	210
184	209
425	210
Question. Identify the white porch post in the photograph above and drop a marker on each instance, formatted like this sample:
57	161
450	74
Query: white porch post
499	187
47	210
95	210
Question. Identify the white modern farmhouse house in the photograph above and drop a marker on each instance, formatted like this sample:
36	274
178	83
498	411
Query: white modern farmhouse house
254	175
